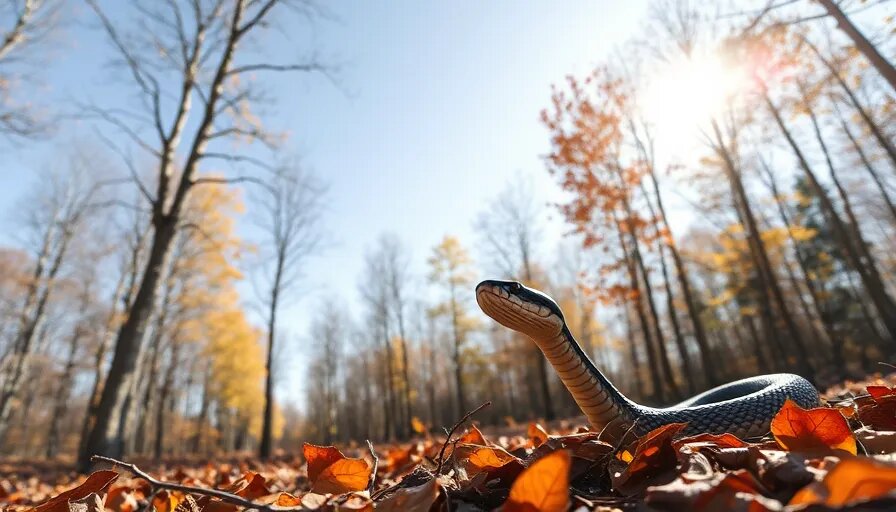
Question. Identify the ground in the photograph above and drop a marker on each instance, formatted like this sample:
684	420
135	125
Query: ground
841	457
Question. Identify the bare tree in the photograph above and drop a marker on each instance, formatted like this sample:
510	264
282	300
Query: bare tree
55	215
181	54
23	24
509	229
291	209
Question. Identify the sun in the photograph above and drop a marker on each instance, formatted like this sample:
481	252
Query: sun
684	95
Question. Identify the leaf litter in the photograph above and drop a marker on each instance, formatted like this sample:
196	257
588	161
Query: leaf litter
838	457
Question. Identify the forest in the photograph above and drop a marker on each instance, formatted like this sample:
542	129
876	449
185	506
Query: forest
141	319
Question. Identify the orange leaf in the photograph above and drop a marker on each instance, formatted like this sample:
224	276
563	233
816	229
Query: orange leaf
654	455
346	475
286	499
489	458
96	482
256	488
819	429
473	436
411	499
418	425
543	486
165	501
851	480
537	434
319	458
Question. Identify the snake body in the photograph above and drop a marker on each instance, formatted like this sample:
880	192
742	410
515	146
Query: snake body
744	408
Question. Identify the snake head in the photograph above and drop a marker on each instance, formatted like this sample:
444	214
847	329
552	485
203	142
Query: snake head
522	309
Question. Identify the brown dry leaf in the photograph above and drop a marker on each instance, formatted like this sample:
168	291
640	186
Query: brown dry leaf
877	392
96	482
736	491
880	411
164	501
717	441
537	435
286	499
93	502
255	488
121	499
319	458
852	480
654	456
813	430
473	436
411	499
543	486
346	475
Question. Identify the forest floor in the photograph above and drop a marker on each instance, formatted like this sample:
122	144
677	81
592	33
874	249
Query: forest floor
840	457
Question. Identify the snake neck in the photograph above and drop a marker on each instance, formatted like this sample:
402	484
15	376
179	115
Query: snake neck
605	407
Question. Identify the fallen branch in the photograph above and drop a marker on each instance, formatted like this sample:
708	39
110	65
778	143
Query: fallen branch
157	485
451	432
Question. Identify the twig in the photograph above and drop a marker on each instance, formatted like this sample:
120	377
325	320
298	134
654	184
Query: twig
451	432
155	484
376	463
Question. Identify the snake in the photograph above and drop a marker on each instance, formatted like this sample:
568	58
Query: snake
744	408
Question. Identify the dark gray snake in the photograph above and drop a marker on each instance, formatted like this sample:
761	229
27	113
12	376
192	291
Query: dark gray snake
744	408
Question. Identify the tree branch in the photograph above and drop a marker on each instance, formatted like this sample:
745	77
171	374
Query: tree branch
224	496
236	159
311	66
17	33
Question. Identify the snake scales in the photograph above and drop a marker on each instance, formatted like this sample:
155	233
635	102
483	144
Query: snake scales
744	408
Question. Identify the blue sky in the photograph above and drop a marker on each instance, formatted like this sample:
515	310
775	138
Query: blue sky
436	109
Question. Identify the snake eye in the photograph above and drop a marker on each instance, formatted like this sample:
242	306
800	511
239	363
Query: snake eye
515	287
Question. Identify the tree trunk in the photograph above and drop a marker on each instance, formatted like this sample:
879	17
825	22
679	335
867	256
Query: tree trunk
876	130
60	404
264	448
875	176
163	399
808	281
104	437
32	315
656	382
541	362
458	368
880	63
633	356
671	310
867	270
768	280
681	271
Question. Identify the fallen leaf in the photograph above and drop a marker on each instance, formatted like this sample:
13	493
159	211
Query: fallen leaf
543	486
851	480
93	502
473	436
814	430
164	501
537	434
654	456
319	458
411	499
880	391
96	482
346	475
286	499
